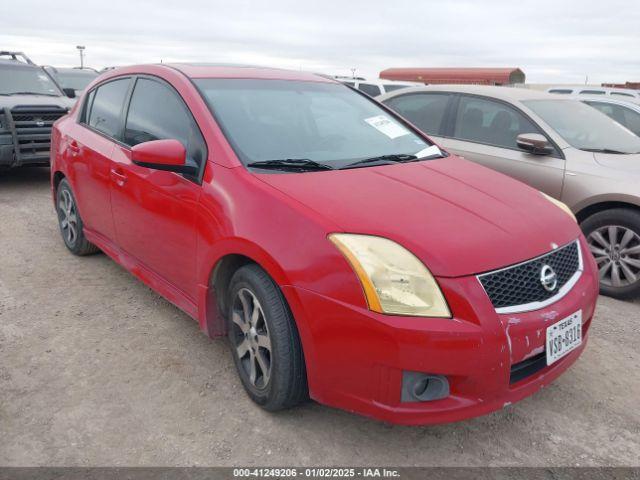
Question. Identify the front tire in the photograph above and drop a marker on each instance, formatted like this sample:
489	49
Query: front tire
70	222
264	341
614	240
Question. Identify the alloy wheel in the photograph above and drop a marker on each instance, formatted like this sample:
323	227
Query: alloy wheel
617	253
252	342
68	217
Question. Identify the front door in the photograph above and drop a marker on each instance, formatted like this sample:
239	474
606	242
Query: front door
155	211
485	131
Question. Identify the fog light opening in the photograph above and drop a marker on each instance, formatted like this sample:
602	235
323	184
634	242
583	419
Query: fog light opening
423	387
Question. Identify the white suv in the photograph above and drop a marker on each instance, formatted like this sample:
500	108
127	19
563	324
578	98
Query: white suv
588	90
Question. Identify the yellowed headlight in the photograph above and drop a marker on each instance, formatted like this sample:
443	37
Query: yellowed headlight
393	279
560	205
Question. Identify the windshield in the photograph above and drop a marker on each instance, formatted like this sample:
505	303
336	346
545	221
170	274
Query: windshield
77	79
584	127
323	122
17	79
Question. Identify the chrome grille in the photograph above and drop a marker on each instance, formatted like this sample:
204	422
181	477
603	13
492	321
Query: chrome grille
32	127
519	287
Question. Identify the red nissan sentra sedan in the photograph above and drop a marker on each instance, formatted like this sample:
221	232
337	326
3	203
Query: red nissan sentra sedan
345	255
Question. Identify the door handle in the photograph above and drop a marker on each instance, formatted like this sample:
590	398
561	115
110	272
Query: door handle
118	176
74	147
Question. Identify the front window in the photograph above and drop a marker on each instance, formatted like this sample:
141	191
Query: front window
323	122
584	127
26	80
482	120
156	113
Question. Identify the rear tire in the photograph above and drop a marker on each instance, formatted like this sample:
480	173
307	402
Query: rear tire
614	240
70	222
264	341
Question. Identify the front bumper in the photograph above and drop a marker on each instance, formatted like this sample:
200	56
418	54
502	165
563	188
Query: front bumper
355	358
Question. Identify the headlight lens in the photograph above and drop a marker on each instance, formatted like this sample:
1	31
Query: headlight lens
393	279
560	205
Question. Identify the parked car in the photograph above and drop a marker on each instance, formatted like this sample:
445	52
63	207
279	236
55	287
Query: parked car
600	91
556	144
75	79
345	256
377	86
30	101
626	113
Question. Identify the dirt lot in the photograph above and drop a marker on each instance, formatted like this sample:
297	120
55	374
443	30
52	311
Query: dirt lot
96	369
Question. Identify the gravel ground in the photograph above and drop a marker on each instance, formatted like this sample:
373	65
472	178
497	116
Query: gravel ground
96	369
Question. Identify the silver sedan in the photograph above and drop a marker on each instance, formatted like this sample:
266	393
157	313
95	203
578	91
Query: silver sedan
558	145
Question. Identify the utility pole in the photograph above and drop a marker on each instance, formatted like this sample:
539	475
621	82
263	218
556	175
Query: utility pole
81	50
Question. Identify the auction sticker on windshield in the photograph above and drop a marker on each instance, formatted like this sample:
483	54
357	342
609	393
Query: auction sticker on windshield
563	337
385	125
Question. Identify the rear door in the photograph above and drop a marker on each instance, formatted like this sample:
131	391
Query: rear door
155	211
485	130
89	145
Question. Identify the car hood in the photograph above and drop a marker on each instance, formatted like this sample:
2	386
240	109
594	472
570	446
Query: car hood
459	218
627	163
34	101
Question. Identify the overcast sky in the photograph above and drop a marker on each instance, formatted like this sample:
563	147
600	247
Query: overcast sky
553	41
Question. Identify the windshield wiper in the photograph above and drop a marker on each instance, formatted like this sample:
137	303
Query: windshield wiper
605	150
382	160
32	93
297	164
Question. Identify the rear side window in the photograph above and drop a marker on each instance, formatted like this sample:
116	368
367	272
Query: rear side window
106	107
156	112
493	123
425	110
562	91
622	94
391	87
371	90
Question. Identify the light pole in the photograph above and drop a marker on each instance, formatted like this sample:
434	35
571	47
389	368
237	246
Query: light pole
81	50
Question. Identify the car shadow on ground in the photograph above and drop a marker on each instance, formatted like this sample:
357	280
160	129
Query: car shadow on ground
24	176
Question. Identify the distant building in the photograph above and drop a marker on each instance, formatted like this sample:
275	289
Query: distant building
632	85
475	76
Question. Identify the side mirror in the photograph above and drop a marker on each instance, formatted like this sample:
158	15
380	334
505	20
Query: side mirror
168	155
534	143
69	92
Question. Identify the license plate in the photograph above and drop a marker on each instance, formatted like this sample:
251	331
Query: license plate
564	336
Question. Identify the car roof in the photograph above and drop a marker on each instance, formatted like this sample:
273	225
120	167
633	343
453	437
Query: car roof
510	94
221	70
